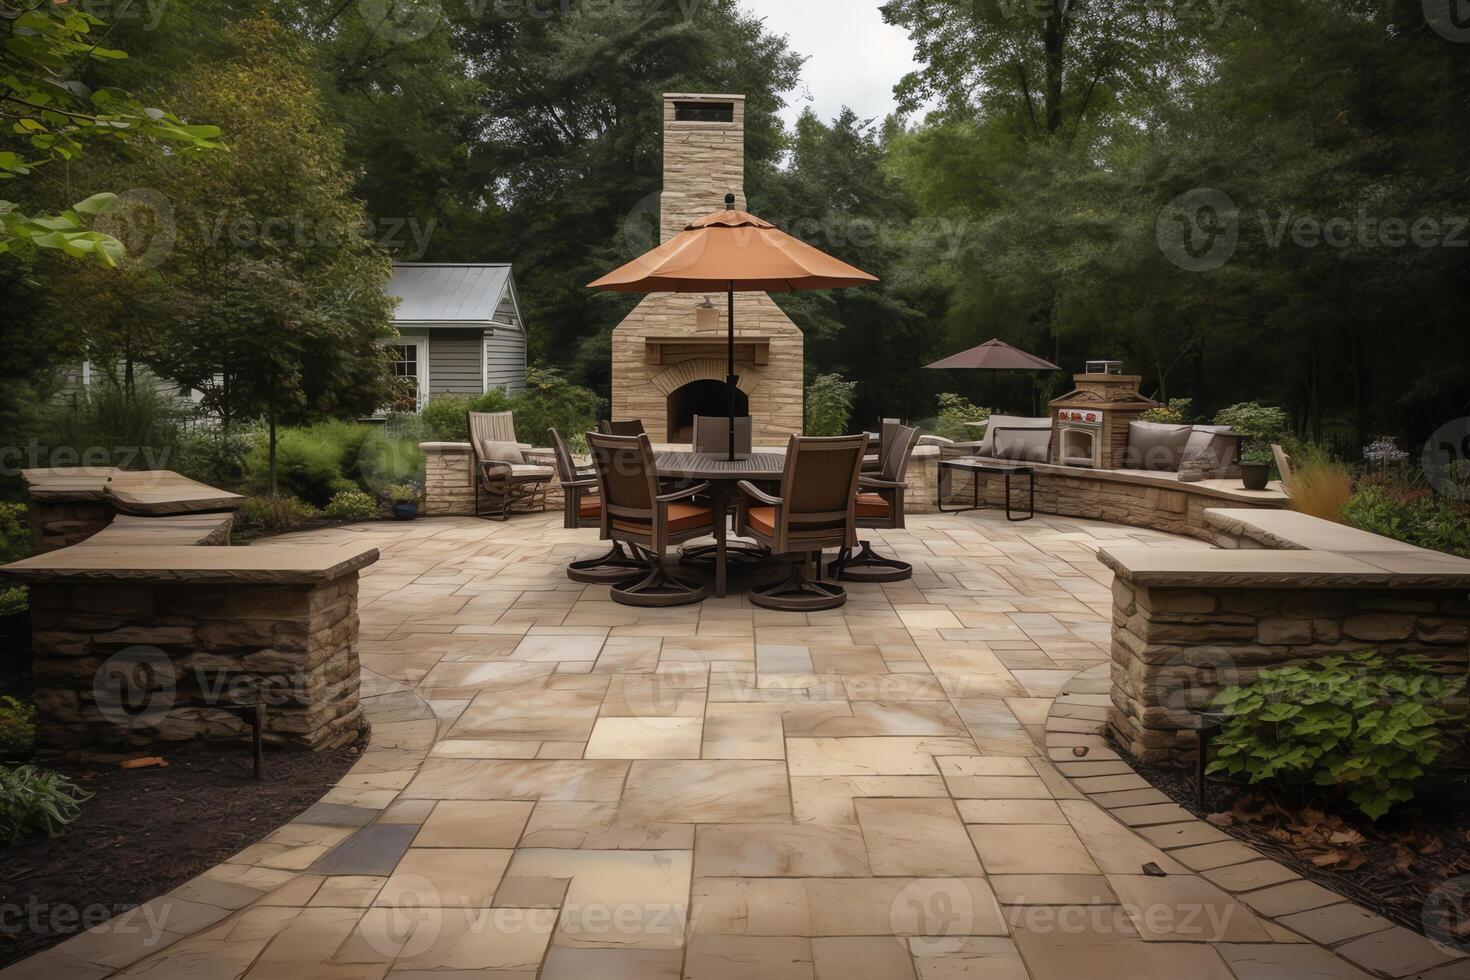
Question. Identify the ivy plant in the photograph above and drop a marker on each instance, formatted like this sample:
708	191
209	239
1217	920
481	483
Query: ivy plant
1353	725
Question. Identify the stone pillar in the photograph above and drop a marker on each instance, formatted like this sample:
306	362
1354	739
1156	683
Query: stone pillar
118	668
449	488
62	523
923	481
703	159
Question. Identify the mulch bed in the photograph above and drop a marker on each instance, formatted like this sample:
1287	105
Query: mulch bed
147	831
1392	867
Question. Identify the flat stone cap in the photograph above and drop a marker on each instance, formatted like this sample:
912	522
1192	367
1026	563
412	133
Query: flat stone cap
267	564
1290	530
146	493
1256	568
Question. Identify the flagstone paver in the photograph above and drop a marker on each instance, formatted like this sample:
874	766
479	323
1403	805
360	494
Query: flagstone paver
912	787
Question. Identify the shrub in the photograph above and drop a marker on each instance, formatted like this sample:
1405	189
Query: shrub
1320	485
402	493
15	544
212	455
36	801
352	505
278	513
954	412
105	425
1260	424
1353	725
1419	519
314	462
1178	412
447	417
17	728
549	401
829	405
391	452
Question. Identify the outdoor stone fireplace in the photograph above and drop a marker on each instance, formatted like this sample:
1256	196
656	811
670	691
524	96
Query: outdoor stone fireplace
1090	423
668	355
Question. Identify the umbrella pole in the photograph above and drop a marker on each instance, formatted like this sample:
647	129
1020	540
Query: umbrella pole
731	381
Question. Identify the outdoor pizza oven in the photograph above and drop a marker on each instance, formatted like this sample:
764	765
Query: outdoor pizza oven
1090	423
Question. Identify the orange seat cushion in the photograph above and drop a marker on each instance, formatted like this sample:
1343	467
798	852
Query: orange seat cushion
682	517
872	505
589	507
763	519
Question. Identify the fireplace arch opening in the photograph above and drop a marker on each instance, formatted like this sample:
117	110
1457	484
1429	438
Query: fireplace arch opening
703	397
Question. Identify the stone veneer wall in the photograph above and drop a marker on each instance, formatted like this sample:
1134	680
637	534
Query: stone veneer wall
1117	501
1175	648
448	491
60	524
294	645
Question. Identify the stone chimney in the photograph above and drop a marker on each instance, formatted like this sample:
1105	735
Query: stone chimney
704	157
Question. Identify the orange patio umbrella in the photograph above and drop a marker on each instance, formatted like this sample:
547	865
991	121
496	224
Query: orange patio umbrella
733	250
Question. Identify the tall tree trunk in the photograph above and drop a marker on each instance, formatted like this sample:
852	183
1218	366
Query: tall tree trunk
1053	39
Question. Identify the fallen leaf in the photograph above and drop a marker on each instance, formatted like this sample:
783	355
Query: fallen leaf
143	763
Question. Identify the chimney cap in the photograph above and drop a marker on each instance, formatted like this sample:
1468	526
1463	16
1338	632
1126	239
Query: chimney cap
701	97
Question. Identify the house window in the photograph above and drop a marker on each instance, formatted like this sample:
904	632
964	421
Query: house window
408	365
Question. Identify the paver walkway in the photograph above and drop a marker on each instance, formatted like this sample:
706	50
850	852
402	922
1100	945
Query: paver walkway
560	786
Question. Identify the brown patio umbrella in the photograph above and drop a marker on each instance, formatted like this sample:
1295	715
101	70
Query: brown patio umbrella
995	355
733	250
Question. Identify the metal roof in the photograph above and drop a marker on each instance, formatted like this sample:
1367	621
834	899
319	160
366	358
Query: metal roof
437	293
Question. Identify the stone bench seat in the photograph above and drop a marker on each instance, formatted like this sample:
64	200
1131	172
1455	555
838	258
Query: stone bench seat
260	564
1294	568
1288	530
152	532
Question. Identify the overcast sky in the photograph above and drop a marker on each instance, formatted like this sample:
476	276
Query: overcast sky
853	58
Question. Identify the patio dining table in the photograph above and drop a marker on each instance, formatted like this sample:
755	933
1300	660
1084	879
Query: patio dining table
722	473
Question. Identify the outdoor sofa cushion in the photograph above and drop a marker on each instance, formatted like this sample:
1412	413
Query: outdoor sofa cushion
1156	445
682	517
1032	445
502	452
987	445
1212	438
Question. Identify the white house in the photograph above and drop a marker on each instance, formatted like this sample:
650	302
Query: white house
460	328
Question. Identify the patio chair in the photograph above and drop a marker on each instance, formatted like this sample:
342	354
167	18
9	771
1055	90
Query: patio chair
582	507
502	471
873	461
712	434
621	427
880	505
635	513
815	510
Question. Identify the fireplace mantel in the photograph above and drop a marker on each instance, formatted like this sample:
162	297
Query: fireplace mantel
750	348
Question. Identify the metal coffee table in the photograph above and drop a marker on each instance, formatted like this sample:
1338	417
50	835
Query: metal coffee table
977	465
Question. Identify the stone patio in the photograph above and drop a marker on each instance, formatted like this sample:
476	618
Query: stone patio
559	786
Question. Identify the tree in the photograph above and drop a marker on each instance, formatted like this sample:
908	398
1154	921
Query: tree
281	295
52	114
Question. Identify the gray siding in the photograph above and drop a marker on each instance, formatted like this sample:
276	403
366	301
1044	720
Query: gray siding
505	360
454	362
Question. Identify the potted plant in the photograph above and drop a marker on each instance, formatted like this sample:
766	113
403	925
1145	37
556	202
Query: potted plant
404	498
1261	425
1255	465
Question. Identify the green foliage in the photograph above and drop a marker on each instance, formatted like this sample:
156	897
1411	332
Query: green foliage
954	412
1420	519
44	49
829	405
402	493
214	455
278	513
447	417
1179	411
15	544
1261	425
37	802
313	463
110	424
551	401
391	452
1356	726
352	505
17	727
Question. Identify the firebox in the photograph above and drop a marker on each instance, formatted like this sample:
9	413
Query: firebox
703	397
1080	435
